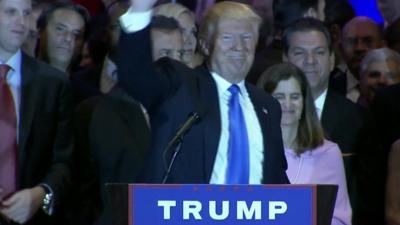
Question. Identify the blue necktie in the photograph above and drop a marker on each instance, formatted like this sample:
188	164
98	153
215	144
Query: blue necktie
238	145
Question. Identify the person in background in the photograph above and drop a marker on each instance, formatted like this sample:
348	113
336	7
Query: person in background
308	45
379	68
186	20
166	37
285	12
62	30
35	132
30	44
360	35
311	158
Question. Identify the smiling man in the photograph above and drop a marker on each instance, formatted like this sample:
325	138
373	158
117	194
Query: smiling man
238	139
62	29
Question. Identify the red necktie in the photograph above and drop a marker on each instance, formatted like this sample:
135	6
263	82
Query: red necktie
8	136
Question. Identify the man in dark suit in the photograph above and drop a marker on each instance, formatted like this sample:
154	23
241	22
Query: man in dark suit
285	12
170	92
308	45
37	112
359	35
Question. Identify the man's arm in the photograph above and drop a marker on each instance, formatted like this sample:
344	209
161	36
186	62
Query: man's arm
136	72
24	204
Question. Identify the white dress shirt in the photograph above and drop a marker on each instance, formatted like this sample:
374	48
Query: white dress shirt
319	103
256	144
353	87
352	84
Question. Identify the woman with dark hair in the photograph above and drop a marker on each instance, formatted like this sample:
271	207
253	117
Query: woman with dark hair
311	158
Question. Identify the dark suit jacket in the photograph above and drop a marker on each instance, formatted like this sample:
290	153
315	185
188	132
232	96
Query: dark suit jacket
171	94
347	124
112	137
386	112
338	81
45	140
85	83
342	121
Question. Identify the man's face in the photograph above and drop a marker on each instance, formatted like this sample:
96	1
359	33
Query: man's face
167	44
233	49
32	38
377	75
309	51
14	16
187	23
63	36
358	38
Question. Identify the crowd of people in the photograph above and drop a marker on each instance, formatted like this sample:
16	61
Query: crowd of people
280	92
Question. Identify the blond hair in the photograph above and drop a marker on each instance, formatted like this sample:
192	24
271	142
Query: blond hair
225	11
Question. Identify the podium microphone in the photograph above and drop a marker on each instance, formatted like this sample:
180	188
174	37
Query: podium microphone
176	141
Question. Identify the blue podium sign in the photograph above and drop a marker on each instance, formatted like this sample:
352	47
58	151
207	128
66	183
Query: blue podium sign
222	204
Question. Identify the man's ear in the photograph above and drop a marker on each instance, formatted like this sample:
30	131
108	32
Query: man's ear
205	47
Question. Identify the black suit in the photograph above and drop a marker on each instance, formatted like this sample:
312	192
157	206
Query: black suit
44	142
86	83
386	112
171	94
349	125
111	132
342	121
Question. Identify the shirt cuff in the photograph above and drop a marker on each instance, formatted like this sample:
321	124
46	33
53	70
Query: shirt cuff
135	21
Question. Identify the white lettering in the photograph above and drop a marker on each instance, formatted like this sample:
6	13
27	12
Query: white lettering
213	211
276	207
244	212
167	208
191	207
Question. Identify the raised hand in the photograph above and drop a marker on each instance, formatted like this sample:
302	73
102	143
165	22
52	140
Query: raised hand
142	5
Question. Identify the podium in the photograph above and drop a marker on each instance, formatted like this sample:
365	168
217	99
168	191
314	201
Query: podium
176	204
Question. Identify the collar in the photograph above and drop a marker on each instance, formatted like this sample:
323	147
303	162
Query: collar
320	101
223	85
14	61
352	82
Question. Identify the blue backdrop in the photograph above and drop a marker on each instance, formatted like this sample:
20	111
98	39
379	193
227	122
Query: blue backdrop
367	8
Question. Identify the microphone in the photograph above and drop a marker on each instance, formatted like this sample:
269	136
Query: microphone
193	118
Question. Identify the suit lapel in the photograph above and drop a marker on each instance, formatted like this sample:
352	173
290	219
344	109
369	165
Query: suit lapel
328	115
208	95
27	104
